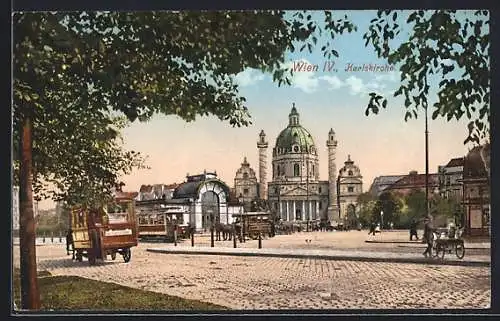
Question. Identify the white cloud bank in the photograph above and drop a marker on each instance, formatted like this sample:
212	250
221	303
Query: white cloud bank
249	77
312	81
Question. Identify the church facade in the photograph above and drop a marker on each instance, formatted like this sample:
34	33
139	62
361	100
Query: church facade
295	191
350	186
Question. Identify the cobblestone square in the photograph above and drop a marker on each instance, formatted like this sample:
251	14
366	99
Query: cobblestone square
287	283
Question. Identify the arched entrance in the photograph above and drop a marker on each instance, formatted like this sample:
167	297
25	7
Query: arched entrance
209	209
352	220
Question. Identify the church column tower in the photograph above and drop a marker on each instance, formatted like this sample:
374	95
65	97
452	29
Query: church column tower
331	143
262	146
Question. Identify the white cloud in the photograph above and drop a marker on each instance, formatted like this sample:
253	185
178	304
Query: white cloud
304	80
392	76
333	81
248	77
309	81
358	87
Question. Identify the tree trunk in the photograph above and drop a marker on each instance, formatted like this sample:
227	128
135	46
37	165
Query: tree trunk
30	297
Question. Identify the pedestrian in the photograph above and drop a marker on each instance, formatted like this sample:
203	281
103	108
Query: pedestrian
428	235
372	229
413	230
69	243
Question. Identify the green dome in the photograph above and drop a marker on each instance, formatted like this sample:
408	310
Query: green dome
295	135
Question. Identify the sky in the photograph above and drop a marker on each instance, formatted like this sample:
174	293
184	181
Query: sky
382	144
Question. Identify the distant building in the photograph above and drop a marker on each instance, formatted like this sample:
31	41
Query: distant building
16	212
245	183
15	208
296	192
156	191
380	183
414	181
450	178
477	195
350	186
197	201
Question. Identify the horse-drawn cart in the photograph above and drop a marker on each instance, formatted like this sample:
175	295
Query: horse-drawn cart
444	242
253	224
108	230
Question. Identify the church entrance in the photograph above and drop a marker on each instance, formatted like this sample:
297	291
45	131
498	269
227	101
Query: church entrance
209	209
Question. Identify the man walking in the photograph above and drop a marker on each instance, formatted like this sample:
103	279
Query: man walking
69	243
413	230
428	235
372	228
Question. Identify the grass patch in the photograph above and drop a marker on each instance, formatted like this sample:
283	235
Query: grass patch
77	293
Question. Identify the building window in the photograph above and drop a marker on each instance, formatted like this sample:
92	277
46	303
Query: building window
296	149
320	205
350	189
350	173
275	190
296	170
275	206
319	191
313	170
245	191
245	175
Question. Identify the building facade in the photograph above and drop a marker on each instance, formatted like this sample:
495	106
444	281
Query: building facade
16	211
15	208
199	201
295	191
477	195
415	181
245	183
450	179
156	191
380	183
350	186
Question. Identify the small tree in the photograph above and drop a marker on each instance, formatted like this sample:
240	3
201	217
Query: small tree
391	205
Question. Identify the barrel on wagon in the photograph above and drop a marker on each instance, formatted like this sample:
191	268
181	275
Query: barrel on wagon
99	232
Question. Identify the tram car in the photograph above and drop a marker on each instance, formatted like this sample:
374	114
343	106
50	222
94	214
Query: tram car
158	220
107	230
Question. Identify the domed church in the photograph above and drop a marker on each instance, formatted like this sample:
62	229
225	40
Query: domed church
295	191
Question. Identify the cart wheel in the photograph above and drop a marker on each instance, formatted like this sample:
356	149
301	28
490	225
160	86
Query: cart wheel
435	250
79	256
441	251
460	250
113	255
127	255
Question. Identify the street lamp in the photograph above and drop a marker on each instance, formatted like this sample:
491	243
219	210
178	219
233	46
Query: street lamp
211	215
381	220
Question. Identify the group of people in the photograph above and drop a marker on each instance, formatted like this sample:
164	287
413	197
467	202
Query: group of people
430	233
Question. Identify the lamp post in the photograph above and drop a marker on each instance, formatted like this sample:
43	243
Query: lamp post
426	163
211	215
240	201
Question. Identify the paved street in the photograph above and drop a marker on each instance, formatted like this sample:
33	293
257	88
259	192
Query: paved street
286	283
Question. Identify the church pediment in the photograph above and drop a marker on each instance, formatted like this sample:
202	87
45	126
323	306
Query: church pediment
299	191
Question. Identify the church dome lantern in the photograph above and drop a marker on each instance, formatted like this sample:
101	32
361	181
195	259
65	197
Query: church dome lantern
294	138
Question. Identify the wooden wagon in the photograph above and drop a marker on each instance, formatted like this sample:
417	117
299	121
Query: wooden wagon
107	230
253	224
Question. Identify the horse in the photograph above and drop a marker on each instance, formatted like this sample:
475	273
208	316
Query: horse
226	230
